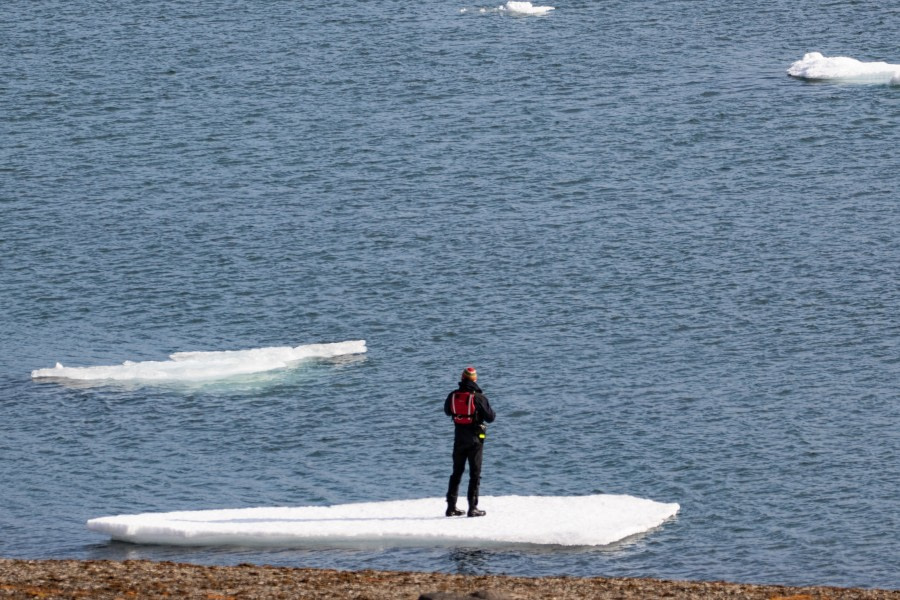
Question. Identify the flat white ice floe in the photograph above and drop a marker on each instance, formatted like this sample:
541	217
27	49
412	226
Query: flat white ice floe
558	520
201	366
815	66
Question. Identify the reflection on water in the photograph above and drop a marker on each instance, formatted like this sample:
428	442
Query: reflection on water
469	561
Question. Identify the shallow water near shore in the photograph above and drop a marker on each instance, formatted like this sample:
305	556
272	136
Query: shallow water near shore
674	266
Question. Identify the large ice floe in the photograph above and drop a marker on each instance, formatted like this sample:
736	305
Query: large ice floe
816	67
204	366
553	520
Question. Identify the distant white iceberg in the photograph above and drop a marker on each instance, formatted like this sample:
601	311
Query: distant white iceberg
514	8
558	520
526	8
815	66
203	366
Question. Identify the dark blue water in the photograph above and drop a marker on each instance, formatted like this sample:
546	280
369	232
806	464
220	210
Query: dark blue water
675	268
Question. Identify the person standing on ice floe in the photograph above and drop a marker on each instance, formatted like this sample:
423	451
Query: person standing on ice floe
470	410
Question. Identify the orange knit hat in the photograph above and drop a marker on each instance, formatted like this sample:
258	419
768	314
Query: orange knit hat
470	373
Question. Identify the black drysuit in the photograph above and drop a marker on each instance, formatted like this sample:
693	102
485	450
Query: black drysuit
467	445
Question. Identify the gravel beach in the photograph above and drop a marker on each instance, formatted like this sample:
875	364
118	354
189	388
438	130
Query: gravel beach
50	579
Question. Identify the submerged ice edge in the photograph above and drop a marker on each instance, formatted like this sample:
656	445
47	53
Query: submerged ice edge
817	67
203	366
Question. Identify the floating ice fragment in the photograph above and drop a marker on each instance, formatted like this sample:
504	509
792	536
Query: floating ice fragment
526	8
815	66
201	366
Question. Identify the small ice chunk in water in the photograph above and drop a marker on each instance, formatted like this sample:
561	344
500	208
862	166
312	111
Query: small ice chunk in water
815	66
526	8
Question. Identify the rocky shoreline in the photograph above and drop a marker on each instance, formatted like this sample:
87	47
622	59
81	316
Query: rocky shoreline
52	579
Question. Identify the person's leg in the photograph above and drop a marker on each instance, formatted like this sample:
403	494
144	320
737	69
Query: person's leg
474	455
459	466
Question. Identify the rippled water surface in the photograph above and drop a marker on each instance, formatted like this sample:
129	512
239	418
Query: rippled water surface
675	268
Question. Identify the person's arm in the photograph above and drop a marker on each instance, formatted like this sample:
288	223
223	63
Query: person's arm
487	413
447	408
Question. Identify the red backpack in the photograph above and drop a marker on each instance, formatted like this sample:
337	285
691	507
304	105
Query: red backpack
462	405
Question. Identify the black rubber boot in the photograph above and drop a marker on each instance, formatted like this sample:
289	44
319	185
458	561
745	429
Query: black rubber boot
452	511
472	497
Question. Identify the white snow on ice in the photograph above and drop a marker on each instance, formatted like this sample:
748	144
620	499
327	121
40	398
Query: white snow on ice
201	366
563	520
817	67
